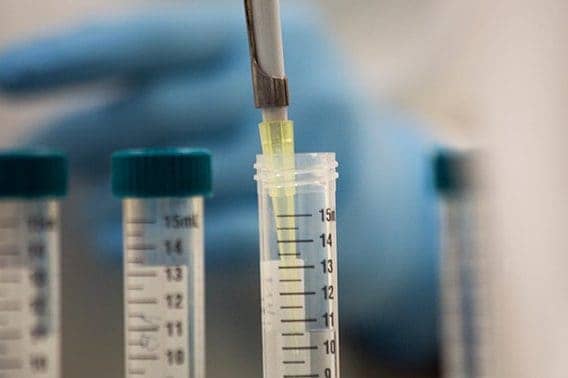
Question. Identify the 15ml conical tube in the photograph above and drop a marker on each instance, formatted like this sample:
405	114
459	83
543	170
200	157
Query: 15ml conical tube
298	257
464	294
30	308
31	185
164	287
163	192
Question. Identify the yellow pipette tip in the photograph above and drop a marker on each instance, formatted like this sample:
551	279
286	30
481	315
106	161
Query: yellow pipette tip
277	137
277	140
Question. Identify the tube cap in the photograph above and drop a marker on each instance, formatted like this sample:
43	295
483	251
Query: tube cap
164	172
452	172
32	173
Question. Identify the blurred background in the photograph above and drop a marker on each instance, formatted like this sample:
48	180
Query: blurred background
487	75
421	55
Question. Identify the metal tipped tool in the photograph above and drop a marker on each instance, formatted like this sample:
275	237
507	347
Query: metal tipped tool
267	58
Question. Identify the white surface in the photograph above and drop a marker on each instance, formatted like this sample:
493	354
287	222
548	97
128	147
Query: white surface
525	113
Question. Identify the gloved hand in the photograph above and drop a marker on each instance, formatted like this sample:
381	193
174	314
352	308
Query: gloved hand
183	78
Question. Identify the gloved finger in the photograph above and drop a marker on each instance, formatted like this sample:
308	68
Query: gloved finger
143	44
213	113
175	109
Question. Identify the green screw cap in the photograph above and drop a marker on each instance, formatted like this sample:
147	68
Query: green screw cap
32	174
166	172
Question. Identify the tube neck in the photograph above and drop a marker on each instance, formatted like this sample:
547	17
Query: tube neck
306	168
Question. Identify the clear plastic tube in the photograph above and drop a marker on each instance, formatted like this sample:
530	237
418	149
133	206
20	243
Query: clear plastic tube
464	294
29	289
455	283
298	257
164	287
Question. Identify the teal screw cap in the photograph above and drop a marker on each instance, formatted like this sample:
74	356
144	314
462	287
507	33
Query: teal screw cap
32	174
452	172
161	172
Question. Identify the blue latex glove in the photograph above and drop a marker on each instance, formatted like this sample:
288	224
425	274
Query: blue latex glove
184	76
